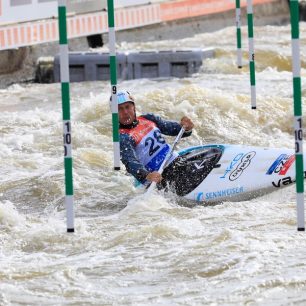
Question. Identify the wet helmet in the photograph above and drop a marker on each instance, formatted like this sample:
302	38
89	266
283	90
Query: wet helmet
123	96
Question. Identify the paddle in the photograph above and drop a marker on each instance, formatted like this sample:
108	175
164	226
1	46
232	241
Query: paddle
161	168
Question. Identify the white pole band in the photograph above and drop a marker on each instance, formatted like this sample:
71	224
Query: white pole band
300	210
64	63
250	7
251	49
69	211
112	41
296	63
67	138
114	105
239	57
62	2
238	19
253	96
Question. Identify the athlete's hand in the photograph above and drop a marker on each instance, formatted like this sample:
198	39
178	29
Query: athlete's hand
154	177
187	124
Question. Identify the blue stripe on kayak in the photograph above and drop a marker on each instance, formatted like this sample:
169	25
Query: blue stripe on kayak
276	163
156	162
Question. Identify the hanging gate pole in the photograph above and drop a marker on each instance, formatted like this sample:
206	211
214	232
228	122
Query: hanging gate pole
298	131
64	64
251	53
238	34
113	69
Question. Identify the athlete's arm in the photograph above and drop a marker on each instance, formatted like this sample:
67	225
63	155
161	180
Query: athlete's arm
167	127
130	160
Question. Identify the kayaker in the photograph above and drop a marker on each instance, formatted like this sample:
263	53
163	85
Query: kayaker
142	146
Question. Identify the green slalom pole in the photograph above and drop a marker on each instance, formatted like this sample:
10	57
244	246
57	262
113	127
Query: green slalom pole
251	53
238	34
64	66
298	131
113	77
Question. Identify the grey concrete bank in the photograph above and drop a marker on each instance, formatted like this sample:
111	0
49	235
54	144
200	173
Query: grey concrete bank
92	66
20	65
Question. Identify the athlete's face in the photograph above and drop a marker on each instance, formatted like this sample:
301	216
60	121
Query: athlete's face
126	113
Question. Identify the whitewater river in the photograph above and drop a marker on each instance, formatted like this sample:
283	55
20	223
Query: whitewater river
130	249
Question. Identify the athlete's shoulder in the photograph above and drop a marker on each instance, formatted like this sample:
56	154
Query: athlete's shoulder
151	117
125	138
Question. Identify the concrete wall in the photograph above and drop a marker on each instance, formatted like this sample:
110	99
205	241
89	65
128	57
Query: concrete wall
20	65
269	13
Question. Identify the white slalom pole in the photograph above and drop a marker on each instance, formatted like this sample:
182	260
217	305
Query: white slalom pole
251	53
238	34
113	69
298	131
161	168
64	61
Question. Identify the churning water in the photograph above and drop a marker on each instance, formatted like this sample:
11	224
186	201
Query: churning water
159	250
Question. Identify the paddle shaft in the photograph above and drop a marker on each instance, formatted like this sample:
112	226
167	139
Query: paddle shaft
161	168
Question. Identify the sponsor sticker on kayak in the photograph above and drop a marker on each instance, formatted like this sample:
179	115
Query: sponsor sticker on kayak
240	162
288	180
231	166
218	194
281	165
245	162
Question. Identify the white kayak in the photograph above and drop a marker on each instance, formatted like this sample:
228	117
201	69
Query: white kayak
215	173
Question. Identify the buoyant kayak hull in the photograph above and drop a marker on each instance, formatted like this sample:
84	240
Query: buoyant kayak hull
241	172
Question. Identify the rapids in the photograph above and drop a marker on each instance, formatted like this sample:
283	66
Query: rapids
129	249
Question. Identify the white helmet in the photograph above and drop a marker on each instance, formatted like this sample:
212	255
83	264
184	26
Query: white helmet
123	96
